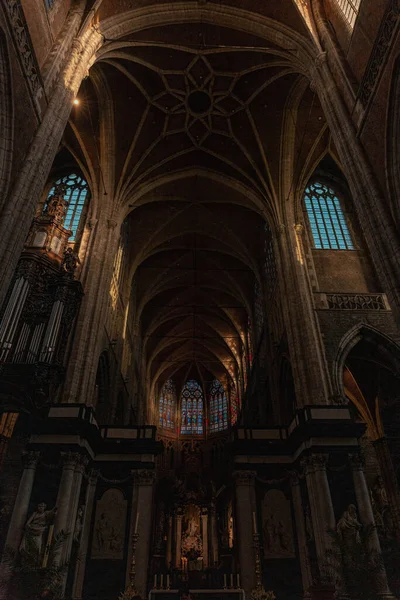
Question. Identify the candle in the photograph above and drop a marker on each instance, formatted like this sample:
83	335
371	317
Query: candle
224	580
167	582
238	580
254	522
231	580
162	580
137	521
155	581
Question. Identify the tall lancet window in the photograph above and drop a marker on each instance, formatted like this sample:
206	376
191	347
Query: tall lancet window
349	9
76	191
192	408
167	405
327	221
218	407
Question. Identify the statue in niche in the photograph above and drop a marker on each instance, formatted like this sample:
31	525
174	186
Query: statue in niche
192	546
109	526
36	528
348	527
381	509
70	262
277	526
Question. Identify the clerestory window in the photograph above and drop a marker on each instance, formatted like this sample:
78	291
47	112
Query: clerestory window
192	408
349	10
218	407
326	217
167	406
76	192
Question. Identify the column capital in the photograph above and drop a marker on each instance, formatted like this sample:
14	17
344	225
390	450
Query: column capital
30	459
81	463
356	461
244	477
70	459
314	462
144	476
299	228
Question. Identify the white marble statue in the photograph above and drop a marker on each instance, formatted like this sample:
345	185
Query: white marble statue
36	528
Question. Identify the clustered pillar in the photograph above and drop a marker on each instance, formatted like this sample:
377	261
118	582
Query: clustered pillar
245	510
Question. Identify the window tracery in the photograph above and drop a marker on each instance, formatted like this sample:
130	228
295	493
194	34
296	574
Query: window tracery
218	407
349	9
326	218
76	192
167	405
192	408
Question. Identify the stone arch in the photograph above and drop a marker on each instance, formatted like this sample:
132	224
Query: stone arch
352	337
6	117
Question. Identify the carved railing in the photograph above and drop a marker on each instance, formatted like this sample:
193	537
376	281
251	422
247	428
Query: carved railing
348	301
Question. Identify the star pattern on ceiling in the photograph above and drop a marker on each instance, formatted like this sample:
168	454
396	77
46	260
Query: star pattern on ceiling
198	100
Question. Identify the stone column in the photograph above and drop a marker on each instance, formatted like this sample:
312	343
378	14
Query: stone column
367	519
144	480
169	544
77	586
80	466
178	538
306	574
64	496
214	536
311	376
390	481
20	512
322	514
204	530
19	515
27	187
245	506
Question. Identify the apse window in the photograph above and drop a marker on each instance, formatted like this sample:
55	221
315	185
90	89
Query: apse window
349	9
167	406
76	192
218	407
326	217
192	408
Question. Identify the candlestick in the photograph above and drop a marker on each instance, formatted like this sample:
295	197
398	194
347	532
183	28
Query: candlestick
137	521
254	522
161	580
224	580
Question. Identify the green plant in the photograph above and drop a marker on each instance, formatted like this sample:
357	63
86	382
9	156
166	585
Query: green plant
27	578
353	568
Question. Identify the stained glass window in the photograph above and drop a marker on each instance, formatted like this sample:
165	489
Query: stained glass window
349	9
218	407
167	405
192	408
327	221
234	404
75	194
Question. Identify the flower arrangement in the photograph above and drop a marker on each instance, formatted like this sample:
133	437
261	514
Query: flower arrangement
259	593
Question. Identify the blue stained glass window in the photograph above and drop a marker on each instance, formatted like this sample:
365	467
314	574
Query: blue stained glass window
167	405
75	194
192	408
327	221
218	407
